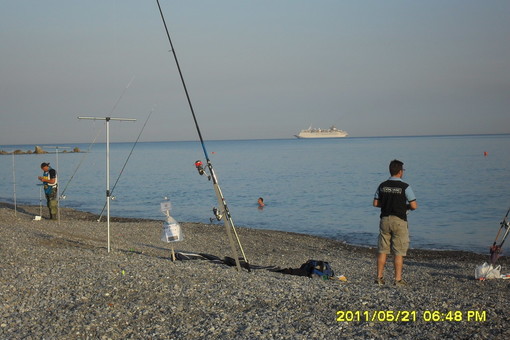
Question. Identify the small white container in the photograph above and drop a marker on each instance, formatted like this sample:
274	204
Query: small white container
171	232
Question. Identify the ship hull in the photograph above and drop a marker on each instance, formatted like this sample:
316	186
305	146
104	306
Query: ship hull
310	135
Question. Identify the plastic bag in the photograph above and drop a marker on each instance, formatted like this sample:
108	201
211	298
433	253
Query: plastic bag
171	232
486	271
494	273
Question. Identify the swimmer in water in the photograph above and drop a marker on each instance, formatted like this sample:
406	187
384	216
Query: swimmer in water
261	202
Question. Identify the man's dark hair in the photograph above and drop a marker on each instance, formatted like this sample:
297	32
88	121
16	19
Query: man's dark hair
395	167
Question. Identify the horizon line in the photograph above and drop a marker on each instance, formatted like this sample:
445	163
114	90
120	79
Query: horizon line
254	139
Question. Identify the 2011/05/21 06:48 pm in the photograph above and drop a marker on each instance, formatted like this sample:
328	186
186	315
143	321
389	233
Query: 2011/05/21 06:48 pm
411	316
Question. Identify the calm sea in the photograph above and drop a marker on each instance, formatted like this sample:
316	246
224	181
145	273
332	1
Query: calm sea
319	187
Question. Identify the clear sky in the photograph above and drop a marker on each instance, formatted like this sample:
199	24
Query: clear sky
254	69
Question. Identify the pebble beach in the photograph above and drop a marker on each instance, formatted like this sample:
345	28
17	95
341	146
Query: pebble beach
58	281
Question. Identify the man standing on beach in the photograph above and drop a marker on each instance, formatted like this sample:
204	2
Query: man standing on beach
49	179
394	197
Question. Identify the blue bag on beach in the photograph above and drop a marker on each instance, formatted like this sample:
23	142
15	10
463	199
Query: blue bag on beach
317	268
311	268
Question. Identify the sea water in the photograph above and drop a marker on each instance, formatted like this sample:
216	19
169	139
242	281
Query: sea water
321	187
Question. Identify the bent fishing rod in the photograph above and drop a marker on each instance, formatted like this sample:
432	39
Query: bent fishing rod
224	212
125	163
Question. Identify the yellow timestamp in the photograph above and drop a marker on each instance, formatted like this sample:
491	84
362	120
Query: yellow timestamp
410	316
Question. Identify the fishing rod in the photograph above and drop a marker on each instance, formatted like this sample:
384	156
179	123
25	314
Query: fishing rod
224	212
125	163
495	250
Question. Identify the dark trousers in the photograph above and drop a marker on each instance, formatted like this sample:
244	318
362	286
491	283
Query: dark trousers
51	201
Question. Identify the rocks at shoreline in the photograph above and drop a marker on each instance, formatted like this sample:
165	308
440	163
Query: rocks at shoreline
37	150
57	280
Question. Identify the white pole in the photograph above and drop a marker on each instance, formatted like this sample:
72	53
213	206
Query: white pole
107	119
58	190
58	174
40	201
58	197
108	178
14	185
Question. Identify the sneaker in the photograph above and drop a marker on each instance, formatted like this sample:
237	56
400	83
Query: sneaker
379	281
400	283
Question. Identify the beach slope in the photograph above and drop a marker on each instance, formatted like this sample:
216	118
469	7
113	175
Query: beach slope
58	281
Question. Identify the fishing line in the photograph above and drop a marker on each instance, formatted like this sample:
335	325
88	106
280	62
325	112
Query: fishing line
225	213
125	163
62	196
122	95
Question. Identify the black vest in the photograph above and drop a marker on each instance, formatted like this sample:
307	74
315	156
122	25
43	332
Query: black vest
392	198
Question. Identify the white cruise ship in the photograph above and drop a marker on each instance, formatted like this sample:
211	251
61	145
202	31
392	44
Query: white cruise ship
332	132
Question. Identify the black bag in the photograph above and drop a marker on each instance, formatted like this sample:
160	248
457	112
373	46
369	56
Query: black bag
319	268
311	268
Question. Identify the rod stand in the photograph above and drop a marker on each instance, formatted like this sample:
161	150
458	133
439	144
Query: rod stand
108	119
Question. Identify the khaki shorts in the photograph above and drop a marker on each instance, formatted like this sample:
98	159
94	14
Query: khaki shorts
393	236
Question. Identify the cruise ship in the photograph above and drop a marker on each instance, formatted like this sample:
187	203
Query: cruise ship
332	132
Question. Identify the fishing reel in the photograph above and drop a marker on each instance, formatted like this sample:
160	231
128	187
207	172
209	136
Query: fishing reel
201	170
109	195
217	215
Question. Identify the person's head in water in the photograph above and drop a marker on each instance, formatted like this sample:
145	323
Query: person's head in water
260	202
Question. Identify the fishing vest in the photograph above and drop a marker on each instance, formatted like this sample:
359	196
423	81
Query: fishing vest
392	198
47	176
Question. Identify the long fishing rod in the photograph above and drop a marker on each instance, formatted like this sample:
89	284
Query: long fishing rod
125	163
224	211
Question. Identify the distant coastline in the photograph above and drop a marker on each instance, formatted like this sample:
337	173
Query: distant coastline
38	151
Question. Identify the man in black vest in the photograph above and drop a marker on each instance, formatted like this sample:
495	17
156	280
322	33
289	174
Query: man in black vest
49	180
395	198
